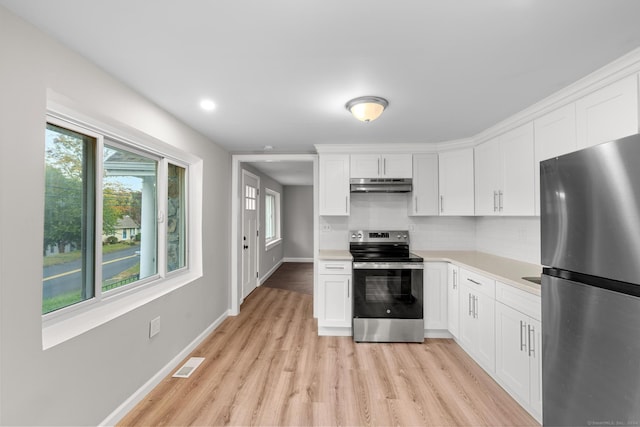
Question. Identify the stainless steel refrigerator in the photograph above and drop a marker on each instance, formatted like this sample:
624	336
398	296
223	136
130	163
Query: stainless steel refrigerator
590	223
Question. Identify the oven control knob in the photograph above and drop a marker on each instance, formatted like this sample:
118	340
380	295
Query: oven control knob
359	235
353	236
388	311
405	237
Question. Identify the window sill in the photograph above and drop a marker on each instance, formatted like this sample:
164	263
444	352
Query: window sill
273	243
58	330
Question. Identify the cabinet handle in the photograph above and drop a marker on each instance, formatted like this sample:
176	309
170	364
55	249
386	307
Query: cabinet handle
455	279
532	350
441	204
475	307
346	204
384	166
378	167
470	305
495	201
473	281
334	267
523	328
500	200
348	288
415	204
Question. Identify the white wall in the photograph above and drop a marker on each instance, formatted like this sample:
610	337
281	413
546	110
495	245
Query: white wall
81	381
297	216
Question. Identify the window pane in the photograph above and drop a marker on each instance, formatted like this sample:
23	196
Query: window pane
129	218
69	212
269	217
176	219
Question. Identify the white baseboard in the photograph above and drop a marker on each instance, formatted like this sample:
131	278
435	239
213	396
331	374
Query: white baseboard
297	259
437	333
269	273
122	410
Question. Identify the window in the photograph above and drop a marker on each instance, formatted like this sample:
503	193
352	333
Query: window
176	219
272	217
104	223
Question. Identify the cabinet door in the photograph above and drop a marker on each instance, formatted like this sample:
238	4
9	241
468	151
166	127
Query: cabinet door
468	327
608	113
424	198
397	166
334	293
555	135
512	350
488	177
517	197
334	184
366	166
453	299
435	295
535	364
455	173
486	333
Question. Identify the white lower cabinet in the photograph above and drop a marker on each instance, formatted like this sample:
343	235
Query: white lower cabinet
334	294
435	295
518	350
477	318
453	299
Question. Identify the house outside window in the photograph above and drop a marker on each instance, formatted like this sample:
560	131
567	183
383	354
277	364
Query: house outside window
102	228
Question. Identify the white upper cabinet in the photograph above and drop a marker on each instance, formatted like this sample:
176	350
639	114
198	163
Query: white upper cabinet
455	182
424	198
555	135
381	166
334	184
488	177
608	113
504	174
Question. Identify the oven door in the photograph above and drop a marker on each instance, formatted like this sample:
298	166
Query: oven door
387	290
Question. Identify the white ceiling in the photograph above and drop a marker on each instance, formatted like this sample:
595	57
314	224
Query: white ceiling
280	71
287	172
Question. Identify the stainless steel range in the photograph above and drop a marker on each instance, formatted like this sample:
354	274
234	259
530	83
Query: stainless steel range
387	288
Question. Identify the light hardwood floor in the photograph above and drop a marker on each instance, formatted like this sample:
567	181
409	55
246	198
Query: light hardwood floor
269	367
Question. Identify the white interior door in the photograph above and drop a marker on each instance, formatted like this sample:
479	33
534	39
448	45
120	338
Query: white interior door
249	242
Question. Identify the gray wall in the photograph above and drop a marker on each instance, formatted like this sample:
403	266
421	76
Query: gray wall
298	221
81	381
267	259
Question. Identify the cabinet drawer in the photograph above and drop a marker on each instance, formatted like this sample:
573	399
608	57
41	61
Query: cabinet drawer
334	267
478	282
520	300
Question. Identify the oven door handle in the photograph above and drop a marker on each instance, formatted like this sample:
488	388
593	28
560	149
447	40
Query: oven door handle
388	266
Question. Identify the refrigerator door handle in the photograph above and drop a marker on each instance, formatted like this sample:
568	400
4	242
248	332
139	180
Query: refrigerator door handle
523	343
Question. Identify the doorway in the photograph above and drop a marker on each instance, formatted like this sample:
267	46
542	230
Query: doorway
250	215
238	272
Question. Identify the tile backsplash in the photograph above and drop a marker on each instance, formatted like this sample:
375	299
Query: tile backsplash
511	237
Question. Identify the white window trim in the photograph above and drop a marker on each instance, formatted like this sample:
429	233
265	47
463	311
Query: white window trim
69	322
271	243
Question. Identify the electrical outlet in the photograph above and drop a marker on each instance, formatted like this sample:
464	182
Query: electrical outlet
154	327
325	227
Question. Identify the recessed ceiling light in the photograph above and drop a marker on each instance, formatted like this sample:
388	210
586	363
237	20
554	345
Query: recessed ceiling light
207	105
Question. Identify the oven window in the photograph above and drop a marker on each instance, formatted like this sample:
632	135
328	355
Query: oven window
388	290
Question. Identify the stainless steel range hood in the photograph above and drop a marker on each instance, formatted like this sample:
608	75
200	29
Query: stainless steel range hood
380	185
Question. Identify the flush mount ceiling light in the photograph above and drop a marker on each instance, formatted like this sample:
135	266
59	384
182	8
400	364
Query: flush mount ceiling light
207	105
367	108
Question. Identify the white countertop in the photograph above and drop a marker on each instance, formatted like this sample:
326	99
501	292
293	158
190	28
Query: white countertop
335	255
505	270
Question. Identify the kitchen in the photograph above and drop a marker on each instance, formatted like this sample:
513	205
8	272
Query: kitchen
42	68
